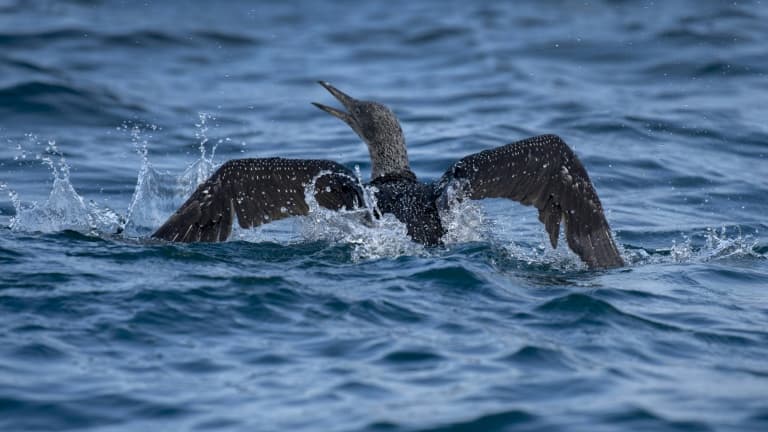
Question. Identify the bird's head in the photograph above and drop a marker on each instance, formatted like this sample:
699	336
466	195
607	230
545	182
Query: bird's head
377	125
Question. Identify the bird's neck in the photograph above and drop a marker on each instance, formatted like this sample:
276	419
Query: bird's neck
389	159
398	177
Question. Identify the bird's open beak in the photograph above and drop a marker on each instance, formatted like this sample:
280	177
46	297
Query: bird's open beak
345	99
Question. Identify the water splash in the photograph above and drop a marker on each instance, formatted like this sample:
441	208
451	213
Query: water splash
64	209
202	168
158	194
713	244
152	200
463	219
372	237
21	152
542	254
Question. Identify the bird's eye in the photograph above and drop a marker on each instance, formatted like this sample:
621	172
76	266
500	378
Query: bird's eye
358	111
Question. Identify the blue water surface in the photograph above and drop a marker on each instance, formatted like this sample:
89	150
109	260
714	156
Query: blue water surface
112	111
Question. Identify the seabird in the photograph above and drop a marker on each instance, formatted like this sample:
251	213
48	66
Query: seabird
541	171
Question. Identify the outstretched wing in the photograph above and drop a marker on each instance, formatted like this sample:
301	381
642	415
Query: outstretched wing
258	191
544	172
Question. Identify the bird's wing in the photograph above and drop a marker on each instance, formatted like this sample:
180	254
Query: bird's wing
258	191
543	172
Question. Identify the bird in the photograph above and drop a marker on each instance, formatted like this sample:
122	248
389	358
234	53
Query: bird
541	171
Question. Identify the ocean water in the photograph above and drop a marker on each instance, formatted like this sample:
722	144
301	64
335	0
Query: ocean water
112	111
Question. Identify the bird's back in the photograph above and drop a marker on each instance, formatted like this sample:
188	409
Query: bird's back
414	204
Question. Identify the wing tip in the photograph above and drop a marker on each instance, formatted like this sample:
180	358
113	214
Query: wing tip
602	253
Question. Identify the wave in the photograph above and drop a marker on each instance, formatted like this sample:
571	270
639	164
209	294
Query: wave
227	39
41	412
158	39
637	418
689	36
531	356
27	66
58	103
701	69
41	38
148	38
433	35
499	421
131	39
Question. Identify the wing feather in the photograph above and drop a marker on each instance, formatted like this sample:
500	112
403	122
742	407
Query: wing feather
258	191
543	172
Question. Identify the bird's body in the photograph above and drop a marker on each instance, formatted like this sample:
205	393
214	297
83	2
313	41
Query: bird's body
413	203
541	171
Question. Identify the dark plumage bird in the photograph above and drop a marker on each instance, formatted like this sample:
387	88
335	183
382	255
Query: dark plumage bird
541	171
